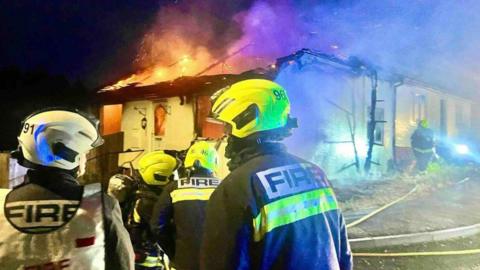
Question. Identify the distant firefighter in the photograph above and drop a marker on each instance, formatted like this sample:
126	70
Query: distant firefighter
274	210
423	143
178	216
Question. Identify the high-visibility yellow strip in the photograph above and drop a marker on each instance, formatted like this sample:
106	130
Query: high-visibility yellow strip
293	208
424	151
426	253
191	194
136	216
151	261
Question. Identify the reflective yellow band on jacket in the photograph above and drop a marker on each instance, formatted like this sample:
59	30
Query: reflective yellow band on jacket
191	194
293	208
423	151
151	261
136	216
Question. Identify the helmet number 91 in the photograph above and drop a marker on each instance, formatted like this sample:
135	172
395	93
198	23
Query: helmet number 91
280	94
27	127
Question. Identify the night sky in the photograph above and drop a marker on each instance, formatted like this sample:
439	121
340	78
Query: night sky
92	41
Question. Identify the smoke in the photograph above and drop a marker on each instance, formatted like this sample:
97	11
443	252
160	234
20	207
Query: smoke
199	31
434	41
430	40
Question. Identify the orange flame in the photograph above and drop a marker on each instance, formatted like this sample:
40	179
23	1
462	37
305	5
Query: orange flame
169	56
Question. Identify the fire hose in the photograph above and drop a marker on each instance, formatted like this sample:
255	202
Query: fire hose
362	219
411	253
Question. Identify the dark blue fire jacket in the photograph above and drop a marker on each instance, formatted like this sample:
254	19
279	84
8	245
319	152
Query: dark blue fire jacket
275	211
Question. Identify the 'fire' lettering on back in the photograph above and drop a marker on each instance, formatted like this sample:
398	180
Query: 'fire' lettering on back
50	213
198	182
291	179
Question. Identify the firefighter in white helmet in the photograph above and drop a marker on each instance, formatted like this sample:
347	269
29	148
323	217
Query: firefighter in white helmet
50	221
178	216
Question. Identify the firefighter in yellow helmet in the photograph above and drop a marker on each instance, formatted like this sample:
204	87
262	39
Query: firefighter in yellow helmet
423	144
156	170
274	210
50	221
178	216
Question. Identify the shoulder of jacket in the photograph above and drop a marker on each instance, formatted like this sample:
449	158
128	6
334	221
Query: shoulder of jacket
91	189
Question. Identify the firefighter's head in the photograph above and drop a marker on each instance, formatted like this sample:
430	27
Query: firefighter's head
202	155
254	108
157	167
57	138
423	123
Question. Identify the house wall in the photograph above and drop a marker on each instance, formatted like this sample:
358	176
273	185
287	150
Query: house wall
179	123
406	120
320	97
179	129
475	121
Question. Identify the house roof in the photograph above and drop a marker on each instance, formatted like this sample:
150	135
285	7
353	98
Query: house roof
182	86
208	84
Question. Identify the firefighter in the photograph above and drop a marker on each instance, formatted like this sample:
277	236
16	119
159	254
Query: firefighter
179	214
423	143
157	170
274	210
50	221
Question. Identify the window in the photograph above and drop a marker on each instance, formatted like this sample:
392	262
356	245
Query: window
205	128
418	107
379	133
443	117
460	121
160	119
111	119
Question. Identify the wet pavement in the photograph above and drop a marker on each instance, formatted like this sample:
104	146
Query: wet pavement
452	206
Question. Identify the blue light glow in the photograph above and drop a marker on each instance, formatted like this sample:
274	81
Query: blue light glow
462	149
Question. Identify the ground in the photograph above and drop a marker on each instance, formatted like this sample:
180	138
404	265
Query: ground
452	262
445	198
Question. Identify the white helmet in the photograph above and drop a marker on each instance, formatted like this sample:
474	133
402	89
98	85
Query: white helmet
57	137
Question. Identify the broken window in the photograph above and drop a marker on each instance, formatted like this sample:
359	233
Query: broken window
379	133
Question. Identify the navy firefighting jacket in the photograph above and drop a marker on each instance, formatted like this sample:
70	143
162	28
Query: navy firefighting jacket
275	211
177	219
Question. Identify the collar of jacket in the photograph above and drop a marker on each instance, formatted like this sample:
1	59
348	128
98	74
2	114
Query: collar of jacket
237	158
45	176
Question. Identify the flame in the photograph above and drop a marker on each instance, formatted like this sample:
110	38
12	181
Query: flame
167	56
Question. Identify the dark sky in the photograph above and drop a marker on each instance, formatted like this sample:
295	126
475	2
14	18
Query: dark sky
90	40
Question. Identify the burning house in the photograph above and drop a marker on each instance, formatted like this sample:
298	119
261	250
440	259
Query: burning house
334	99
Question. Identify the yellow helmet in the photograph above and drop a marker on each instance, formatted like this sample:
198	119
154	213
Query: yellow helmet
156	167
424	123
251	106
203	154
